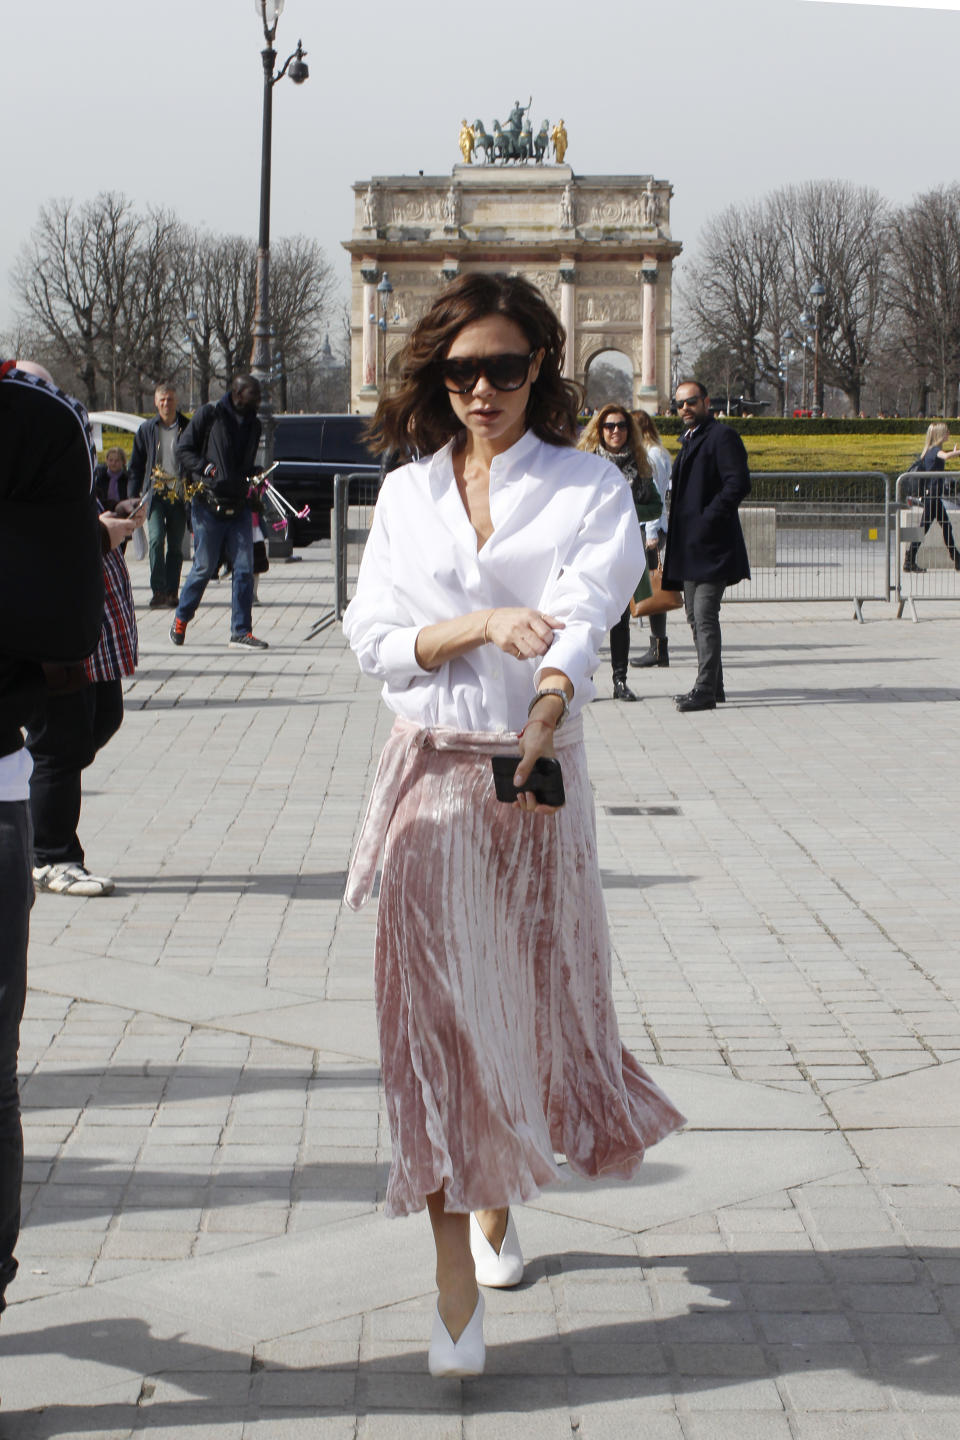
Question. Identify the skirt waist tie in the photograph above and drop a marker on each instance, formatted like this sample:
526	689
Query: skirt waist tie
396	761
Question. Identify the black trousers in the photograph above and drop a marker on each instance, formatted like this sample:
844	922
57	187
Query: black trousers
16	898
63	741
620	645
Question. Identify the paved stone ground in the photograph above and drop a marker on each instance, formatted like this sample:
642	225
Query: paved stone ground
202	1253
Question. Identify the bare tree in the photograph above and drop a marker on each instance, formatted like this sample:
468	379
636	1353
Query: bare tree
302	287
925	291
71	277
837	232
227	280
153	320
734	291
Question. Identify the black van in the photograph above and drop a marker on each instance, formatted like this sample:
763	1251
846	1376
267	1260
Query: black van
311	449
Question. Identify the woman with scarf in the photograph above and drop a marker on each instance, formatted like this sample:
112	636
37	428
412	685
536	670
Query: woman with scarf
613	433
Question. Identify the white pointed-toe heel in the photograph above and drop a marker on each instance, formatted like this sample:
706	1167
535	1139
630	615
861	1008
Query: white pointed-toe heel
451	1358
498	1272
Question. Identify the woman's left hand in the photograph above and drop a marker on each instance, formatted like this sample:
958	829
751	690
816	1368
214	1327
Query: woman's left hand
536	740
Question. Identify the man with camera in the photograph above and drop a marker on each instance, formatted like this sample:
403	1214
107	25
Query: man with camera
218	449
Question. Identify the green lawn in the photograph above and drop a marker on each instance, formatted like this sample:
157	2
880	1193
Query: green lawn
890	453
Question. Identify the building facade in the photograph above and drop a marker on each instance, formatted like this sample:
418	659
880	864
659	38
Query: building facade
598	246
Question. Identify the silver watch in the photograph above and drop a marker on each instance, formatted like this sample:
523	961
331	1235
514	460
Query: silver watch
562	694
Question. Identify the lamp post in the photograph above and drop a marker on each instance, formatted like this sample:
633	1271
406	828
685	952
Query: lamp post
785	358
816	295
294	66
807	324
384	291
192	320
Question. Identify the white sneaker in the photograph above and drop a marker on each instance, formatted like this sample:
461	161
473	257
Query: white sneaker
71	879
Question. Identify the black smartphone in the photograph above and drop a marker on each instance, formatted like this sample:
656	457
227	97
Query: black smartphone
545	781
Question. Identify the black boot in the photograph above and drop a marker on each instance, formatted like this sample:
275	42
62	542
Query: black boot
656	655
621	690
910	559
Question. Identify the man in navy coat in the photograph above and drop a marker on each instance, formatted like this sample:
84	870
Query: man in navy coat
705	551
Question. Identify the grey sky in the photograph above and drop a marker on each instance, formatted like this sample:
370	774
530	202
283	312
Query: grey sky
726	100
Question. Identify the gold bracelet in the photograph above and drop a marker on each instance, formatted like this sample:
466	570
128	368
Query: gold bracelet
486	622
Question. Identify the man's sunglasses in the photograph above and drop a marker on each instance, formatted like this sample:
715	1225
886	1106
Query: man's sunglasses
614	425
691	400
505	372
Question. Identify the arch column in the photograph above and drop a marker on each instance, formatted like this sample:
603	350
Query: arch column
568	315
648	395
370	273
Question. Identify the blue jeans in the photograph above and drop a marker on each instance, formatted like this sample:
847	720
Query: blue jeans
212	538
16	898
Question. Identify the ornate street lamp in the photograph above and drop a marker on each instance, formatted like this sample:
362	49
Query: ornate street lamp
294	66
675	356
816	295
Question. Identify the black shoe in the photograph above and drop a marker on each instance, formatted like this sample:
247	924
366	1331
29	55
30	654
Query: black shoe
178	631
621	690
696	700
721	695
157	602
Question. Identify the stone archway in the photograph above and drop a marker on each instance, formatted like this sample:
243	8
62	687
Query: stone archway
609	376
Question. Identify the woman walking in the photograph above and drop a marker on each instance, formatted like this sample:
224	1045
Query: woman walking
494	567
614	434
932	461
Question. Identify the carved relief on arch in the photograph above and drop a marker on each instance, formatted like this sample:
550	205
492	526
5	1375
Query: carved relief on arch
589	346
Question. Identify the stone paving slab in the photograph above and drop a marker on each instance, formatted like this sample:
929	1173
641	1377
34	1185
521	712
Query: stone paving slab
203	1252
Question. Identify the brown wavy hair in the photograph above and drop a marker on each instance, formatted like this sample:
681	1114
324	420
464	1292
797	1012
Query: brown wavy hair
592	438
418	416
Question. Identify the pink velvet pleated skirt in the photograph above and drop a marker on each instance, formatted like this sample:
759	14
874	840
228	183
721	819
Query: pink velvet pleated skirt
499	1043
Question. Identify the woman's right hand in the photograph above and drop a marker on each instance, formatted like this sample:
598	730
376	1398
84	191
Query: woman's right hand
521	632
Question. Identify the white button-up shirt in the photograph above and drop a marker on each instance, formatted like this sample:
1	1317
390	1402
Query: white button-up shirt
565	542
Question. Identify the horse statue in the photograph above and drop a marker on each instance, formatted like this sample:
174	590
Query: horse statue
483	141
541	142
505	142
525	144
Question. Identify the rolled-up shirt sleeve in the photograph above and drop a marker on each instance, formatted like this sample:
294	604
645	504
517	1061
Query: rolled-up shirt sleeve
594	583
382	636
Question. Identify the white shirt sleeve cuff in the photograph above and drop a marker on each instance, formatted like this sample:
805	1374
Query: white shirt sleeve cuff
397	655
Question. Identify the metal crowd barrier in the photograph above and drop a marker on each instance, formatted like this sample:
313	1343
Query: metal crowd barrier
925	569
810	534
354	497
817	535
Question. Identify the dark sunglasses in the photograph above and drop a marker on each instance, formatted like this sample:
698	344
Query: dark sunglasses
614	425
505	372
691	400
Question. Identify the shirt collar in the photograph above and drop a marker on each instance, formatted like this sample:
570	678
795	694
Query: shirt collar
503	466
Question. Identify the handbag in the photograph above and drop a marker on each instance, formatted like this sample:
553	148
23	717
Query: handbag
661	601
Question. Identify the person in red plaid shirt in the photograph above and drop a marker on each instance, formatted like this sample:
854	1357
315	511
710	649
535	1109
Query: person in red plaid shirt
78	718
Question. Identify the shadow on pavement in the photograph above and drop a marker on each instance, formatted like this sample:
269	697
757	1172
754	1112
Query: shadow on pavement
831	1327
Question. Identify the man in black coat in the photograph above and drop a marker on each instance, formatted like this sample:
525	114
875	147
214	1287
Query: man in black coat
705	551
219	450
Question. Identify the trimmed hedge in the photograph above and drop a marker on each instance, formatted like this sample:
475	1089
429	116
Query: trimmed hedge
775	425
